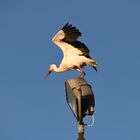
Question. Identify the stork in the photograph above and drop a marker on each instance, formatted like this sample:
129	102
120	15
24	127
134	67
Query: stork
75	53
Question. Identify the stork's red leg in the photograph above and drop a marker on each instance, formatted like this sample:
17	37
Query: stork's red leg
82	73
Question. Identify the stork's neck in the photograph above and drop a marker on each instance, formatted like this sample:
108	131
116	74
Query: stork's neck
56	69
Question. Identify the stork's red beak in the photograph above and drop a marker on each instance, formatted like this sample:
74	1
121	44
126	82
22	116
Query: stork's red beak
49	72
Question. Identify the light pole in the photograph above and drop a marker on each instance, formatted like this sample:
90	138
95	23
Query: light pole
80	99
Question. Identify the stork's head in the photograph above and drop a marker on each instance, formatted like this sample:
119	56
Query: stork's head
51	68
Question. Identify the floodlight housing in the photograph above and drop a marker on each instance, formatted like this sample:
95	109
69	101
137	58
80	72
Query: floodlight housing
80	97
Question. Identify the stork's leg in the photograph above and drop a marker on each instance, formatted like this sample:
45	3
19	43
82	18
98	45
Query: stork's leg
82	73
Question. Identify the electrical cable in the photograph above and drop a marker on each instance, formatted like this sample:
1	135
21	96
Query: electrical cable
92	123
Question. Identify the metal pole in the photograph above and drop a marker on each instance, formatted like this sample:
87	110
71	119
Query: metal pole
80	122
80	131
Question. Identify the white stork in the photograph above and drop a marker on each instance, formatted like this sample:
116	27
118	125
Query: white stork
75	53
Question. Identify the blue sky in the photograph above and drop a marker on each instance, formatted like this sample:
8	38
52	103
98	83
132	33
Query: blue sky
33	108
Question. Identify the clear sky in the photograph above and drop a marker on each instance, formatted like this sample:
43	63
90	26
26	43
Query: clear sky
32	108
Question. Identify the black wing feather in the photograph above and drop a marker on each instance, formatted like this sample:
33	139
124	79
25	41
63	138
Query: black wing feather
82	47
71	33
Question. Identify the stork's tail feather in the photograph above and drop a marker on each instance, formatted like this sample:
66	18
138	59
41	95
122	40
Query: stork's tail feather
95	68
93	64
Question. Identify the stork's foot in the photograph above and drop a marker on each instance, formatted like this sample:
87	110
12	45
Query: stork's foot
82	73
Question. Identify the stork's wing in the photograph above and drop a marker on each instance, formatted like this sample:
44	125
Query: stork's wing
81	48
67	38
71	33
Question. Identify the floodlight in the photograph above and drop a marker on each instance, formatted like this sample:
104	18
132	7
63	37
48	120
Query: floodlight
79	97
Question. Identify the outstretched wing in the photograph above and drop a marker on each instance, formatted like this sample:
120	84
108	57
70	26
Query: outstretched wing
71	33
68	33
71	36
67	38
80	48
